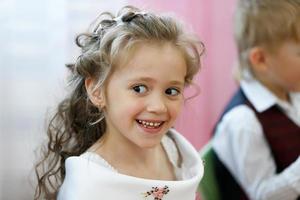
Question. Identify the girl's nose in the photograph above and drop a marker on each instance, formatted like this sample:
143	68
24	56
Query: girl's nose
157	104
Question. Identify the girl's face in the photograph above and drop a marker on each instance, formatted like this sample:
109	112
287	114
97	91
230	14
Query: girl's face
144	95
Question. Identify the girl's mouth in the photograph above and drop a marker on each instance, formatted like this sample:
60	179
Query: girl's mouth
150	124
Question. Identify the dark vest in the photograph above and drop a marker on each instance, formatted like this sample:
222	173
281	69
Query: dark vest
283	137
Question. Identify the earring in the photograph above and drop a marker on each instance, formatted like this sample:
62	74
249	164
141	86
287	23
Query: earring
100	106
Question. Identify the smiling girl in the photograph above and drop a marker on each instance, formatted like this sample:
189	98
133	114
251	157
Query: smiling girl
112	137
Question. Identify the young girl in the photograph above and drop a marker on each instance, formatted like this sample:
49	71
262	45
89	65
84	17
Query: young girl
111	138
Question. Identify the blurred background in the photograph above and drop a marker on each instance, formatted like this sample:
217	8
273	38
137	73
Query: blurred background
37	39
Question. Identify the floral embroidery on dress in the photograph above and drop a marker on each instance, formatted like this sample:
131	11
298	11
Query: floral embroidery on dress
157	193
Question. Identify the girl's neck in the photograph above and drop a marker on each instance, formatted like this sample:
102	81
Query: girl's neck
132	160
126	153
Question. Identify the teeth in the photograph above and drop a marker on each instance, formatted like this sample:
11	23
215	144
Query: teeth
150	124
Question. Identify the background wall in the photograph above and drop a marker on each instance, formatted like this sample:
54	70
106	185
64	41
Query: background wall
36	38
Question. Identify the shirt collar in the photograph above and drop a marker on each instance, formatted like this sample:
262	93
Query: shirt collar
259	96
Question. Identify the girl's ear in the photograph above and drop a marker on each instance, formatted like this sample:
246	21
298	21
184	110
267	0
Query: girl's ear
95	95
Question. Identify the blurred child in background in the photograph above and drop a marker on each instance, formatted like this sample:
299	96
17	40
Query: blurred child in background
257	138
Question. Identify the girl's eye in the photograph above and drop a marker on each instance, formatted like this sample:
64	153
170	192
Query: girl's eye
140	89
172	92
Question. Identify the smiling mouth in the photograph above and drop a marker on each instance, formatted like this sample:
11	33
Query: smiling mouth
150	124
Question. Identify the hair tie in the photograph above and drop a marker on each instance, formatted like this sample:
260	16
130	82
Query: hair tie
128	17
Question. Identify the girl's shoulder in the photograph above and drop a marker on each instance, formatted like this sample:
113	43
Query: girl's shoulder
183	154
96	158
171	148
182	144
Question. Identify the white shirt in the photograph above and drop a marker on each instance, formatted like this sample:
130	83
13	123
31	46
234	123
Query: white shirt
241	145
93	179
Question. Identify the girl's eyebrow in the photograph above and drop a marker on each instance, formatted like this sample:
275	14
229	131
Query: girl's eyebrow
144	79
175	82
149	79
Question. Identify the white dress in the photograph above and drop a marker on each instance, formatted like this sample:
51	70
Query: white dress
90	177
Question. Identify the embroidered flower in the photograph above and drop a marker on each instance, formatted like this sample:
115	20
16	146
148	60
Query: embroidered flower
157	193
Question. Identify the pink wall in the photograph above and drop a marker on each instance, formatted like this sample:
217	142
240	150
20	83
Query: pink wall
212	21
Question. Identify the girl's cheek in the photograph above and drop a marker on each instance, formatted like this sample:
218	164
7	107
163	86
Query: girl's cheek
175	110
134	107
